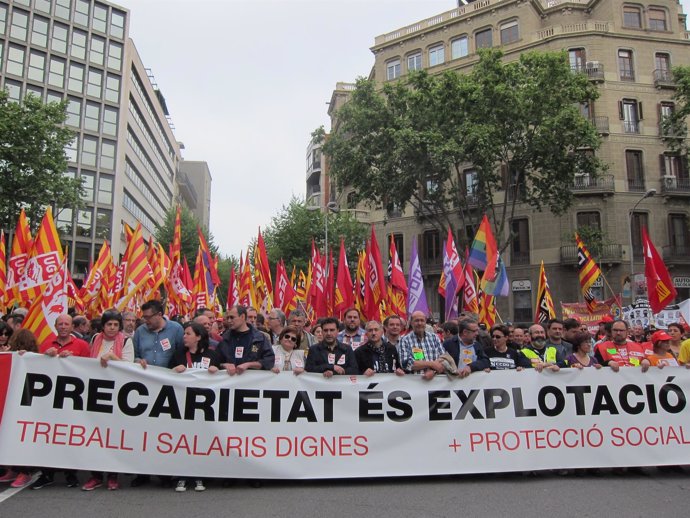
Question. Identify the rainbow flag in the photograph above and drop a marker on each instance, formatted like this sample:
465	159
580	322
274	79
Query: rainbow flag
484	251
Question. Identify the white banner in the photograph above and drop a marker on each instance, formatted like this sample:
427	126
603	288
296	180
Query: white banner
72	413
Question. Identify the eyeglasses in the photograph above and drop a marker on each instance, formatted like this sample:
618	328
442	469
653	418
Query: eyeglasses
497	337
5	333
147	317
291	338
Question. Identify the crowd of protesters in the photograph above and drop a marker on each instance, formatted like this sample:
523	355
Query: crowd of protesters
247	340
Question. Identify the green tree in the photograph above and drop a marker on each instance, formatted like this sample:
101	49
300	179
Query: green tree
516	124
291	231
188	234
33	161
675	126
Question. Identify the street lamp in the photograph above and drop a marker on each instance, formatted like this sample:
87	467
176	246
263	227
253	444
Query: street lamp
648	194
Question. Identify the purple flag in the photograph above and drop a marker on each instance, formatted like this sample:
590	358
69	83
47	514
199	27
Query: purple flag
416	297
451	284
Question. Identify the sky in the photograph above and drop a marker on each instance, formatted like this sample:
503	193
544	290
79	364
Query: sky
247	81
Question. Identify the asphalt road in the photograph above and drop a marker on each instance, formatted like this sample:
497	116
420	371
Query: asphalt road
650	494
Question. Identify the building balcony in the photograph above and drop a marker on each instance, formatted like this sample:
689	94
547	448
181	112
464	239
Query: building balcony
427	209
594	70
431	264
585	184
610	254
519	258
631	127
674	186
676	254
601	123
636	185
663	78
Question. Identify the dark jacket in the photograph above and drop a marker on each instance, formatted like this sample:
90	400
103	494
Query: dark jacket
244	347
481	362
319	358
368	359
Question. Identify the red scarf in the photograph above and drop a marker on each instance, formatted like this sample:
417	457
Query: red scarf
97	342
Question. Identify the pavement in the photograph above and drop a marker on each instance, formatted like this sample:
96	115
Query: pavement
649	493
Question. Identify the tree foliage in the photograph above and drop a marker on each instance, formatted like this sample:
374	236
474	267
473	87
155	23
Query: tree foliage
675	127
188	234
291	231
517	124
33	160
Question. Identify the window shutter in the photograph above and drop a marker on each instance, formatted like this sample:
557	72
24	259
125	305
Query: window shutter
662	164
621	116
639	110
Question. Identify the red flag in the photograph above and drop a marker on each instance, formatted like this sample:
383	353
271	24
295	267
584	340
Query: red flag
344	294
397	286
93	283
374	286
46	307
176	247
246	295
330	285
233	291
284	295
317	292
470	299
44	261
660	289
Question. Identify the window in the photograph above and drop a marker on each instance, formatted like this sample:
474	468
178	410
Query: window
578	59
82	258
94	85
105	190
36	91
679	234
97	52
39	32
110	121
414	61
637	221
117	24
84	222
37	66
589	219
20	25
15	61
3	19
459	47
92	117
393	69
89	150
56	72
632	17
75	81
104	222
72	150
88	182
522	302
431	187
398	240
78	47
509	32
657	19
635	170
437	55
470	182
112	88
519	247
666	109
14	90
81	12
431	244
42	5
673	166
108	155
53	97
58	43
484	39
630	112
625	65
115	56
62	8
73	112
63	222
100	18
662	67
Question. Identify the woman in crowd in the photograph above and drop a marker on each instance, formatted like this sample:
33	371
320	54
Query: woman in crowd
317	331
582	347
110	344
196	355
287	357
662	355
20	341
675	331
500	355
5	334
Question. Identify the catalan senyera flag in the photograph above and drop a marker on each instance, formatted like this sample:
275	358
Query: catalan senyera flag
301	288
199	286
176	246
397	286
588	272
660	289
44	260
344	292
360	276
95	280
246	289
22	243
51	303
487	309
3	271
137	270
375	285
484	251
262	264
544	310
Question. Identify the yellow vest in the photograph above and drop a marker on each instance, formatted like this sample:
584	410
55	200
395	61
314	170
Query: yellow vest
549	356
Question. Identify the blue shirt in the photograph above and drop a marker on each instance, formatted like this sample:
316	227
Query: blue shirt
158	347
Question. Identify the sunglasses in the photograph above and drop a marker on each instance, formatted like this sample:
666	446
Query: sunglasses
498	337
291	337
5	333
